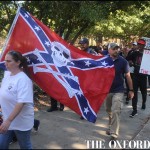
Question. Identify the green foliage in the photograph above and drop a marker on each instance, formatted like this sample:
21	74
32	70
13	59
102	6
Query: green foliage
134	22
70	19
7	13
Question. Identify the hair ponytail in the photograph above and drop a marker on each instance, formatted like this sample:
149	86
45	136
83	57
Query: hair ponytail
24	66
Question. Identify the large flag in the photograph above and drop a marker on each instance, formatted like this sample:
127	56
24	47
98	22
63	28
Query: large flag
78	80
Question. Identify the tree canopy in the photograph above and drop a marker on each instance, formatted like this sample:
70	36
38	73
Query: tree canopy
71	19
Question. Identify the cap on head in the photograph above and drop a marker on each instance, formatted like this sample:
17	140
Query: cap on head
141	41
113	46
84	41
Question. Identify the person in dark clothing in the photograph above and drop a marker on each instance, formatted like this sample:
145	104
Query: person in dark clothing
131	67
97	48
84	45
105	49
139	79
54	106
114	99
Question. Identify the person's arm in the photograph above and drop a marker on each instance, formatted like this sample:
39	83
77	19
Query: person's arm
130	85
5	125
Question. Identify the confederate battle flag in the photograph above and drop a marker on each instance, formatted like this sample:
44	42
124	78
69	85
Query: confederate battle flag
78	80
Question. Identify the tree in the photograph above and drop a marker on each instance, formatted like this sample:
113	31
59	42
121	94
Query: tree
126	24
72	19
7	12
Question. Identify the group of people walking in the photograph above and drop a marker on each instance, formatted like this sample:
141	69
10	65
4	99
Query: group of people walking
127	66
16	93
131	62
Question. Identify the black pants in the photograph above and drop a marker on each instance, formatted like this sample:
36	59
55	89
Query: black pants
139	81
54	103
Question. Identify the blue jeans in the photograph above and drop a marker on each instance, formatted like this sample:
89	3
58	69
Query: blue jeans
23	137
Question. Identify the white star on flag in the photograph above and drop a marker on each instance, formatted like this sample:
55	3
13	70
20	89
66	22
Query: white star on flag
86	110
87	63
28	59
26	16
104	63
80	93
37	28
47	43
67	75
39	60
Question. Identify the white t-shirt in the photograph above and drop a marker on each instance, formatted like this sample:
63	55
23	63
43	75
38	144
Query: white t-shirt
17	89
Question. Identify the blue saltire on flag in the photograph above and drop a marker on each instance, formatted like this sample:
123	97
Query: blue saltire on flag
78	80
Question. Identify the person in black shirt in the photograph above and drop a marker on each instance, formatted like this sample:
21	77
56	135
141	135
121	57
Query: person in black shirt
139	79
114	99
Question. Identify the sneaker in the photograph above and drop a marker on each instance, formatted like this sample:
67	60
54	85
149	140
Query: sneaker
36	126
143	106
108	132
134	113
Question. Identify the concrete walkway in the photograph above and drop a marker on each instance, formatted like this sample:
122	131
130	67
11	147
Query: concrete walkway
65	130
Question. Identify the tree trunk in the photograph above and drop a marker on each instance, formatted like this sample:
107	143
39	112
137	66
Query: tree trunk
79	32
68	34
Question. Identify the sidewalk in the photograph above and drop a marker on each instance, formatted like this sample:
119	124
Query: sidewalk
65	130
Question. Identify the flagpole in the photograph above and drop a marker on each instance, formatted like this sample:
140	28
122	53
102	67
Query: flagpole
10	31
